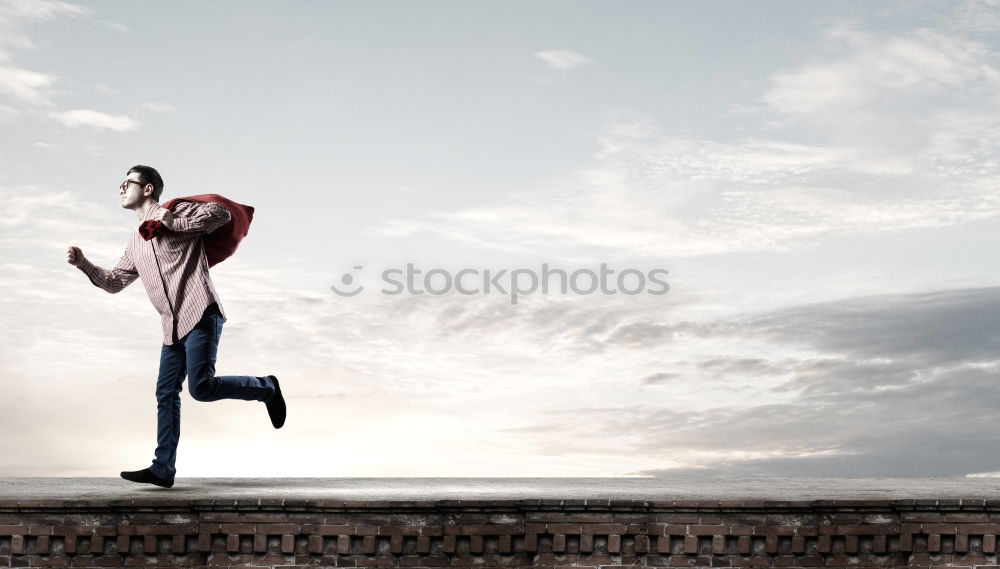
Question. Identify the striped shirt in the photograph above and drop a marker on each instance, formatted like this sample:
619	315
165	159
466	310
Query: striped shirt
173	267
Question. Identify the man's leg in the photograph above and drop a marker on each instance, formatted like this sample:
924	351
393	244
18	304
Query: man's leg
173	367
202	345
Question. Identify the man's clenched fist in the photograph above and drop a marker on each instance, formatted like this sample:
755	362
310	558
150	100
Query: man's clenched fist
165	216
74	256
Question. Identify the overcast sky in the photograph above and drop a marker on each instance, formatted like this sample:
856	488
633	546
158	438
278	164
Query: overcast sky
818	179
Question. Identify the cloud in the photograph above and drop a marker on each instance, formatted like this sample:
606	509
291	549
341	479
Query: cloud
896	131
916	68
791	391
562	59
159	107
922	367
653	195
48	145
28	86
15	14
96	120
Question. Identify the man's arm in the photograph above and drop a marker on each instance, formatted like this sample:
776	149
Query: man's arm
199	217
122	275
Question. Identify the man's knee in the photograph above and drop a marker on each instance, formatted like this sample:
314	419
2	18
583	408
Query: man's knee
167	394
201	390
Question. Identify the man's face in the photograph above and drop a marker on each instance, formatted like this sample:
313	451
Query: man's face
132	191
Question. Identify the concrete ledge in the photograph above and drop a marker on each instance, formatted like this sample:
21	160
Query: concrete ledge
406	522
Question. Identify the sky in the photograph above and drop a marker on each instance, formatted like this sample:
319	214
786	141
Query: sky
816	181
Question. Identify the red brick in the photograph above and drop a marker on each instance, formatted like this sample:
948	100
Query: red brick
13	530
857	530
614	543
978	529
962	543
280	529
662	543
690	544
233	543
718	544
965	518
708	530
260	543
149	544
934	543
741	530
476	544
400	530
238	529
771	543
905	542
178	544
287	543
531	542
604	529
368	544
69	544
265	517
591	518
989	543
946	529
642	543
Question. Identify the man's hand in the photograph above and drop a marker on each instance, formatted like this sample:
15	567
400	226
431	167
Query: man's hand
74	256
165	217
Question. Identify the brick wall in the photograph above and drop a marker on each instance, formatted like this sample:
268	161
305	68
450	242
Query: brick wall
498	533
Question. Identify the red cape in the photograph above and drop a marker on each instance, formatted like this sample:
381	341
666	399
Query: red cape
219	244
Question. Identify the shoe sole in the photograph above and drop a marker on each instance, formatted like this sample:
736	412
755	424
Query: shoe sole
168	484
277	393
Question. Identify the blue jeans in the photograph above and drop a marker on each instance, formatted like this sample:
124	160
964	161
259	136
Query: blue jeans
194	356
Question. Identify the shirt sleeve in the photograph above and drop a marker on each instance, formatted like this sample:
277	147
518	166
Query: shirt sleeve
122	275
191	217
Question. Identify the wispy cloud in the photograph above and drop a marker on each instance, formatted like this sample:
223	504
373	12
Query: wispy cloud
654	195
877	71
48	145
562	59
96	120
15	14
25	85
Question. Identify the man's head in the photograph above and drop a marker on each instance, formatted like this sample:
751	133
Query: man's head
141	183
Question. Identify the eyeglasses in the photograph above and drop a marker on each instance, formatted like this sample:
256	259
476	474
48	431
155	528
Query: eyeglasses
124	186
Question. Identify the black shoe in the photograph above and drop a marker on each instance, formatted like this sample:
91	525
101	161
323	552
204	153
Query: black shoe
147	476
276	406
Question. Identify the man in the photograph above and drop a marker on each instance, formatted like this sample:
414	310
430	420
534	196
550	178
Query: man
174	271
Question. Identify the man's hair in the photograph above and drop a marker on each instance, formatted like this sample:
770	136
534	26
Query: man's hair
149	175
